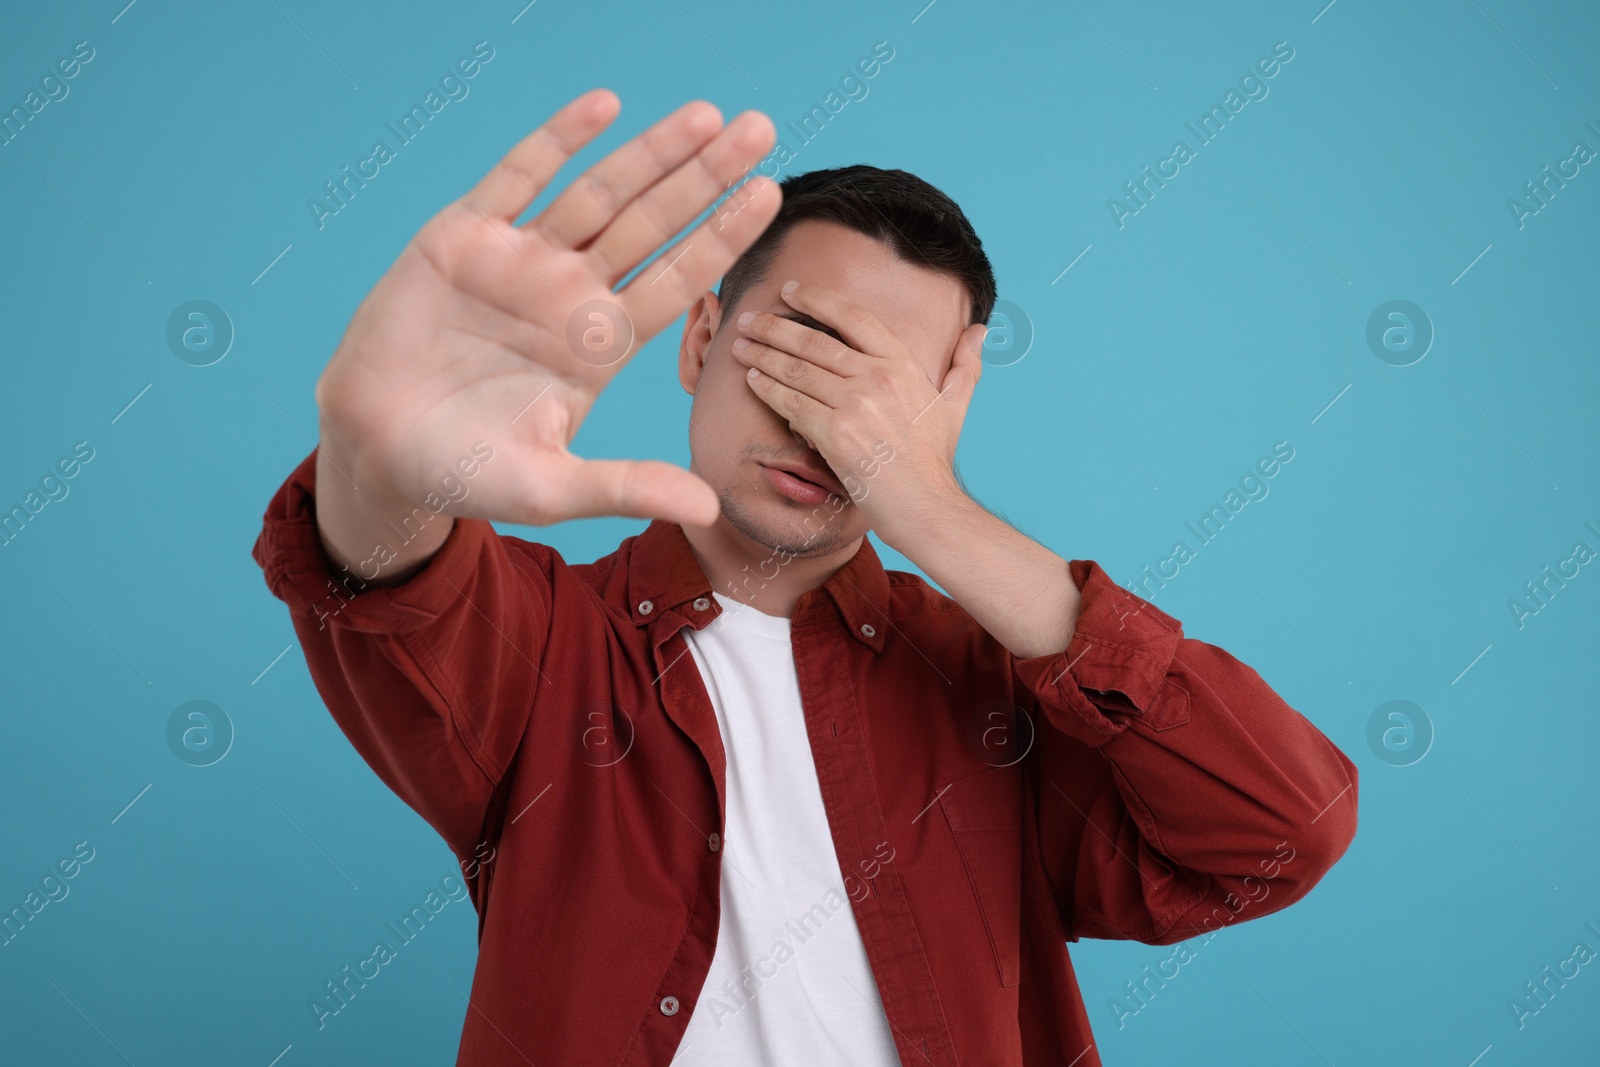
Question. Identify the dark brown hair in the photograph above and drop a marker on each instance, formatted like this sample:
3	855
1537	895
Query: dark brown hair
921	224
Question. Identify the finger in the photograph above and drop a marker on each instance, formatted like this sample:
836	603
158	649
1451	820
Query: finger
674	202
809	344
965	369
507	190
819	383
589	204
860	328
805	414
640	489
691	266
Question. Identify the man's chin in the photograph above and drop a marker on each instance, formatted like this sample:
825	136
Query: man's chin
785	526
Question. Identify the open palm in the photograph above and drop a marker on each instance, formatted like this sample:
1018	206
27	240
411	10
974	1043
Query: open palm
483	330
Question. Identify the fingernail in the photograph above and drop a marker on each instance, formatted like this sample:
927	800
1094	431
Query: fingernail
747	318
752	373
741	343
789	288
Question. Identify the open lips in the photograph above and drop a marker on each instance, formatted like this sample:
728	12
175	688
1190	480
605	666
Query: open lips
804	482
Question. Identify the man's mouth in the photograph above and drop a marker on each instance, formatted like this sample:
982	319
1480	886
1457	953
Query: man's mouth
802	482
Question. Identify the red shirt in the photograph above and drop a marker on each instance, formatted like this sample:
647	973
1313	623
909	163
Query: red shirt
544	717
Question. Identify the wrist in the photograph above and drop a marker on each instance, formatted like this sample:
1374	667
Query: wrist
365	527
937	523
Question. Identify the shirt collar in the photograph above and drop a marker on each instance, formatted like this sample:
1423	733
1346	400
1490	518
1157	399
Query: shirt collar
664	578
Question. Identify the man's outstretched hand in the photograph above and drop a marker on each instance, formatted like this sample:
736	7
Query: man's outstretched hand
483	330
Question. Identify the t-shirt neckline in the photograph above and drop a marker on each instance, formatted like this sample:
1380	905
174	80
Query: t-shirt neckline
741	615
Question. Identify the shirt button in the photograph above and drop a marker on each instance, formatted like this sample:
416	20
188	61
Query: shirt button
868	630
701	604
714	841
669	1005
646	607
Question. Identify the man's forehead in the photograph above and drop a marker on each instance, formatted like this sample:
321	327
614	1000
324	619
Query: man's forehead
907	295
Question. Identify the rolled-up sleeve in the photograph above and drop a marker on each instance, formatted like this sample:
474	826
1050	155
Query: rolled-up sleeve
1178	793
433	679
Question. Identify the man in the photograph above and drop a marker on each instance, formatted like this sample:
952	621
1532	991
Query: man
734	794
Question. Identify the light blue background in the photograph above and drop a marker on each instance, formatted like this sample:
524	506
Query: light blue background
1219	320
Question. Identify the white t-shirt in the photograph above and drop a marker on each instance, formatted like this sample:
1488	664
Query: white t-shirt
789	982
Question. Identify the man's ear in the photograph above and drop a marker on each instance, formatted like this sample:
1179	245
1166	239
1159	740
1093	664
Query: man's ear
699	328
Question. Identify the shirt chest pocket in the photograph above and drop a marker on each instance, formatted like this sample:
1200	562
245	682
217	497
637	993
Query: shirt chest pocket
985	817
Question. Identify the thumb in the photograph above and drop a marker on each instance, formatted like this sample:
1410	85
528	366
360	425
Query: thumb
640	489
966	366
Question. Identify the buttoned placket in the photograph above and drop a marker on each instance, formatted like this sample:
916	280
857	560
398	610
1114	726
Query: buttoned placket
823	643
684	697
822	639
